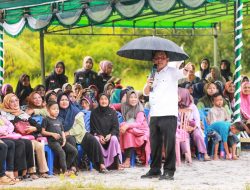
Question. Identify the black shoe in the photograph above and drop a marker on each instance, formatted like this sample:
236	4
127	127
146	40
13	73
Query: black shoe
166	176
151	175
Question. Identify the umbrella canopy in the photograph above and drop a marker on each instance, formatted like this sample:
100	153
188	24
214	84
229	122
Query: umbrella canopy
144	48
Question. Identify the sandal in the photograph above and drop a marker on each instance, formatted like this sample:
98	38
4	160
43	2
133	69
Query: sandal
25	178
44	175
6	181
12	177
34	176
126	165
120	167
207	158
73	169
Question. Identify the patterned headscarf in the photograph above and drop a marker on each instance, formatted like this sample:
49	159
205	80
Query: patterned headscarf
6	105
129	111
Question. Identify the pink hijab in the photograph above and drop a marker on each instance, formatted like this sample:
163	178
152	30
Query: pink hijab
103	65
245	102
185	98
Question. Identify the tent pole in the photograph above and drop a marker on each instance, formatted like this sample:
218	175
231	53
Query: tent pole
42	56
215	45
238	47
1	57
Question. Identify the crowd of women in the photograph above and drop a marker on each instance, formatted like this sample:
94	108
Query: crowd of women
102	116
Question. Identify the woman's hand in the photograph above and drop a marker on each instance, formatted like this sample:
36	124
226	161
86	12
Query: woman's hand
123	128
102	139
30	129
107	138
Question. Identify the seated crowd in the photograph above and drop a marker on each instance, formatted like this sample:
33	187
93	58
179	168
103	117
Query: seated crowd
107	120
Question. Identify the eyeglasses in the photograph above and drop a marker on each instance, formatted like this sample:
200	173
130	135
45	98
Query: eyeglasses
160	58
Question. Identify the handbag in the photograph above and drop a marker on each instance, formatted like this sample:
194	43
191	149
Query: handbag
21	126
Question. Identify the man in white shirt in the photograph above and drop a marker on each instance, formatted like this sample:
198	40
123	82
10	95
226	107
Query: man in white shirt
163	99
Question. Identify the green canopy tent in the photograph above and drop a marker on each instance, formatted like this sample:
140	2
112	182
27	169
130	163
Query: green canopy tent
40	15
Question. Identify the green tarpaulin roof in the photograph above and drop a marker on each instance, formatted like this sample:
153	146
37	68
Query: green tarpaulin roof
38	15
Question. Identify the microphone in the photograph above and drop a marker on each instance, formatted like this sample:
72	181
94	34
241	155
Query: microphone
152	75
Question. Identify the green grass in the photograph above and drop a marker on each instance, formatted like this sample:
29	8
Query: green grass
79	186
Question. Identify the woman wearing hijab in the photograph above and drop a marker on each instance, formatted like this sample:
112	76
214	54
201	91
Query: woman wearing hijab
6	89
108	89
215	75
245	101
105	127
23	89
74	126
186	102
66	87
228	93
57	78
12	111
40	89
204	69
105	73
190	79
134	131
16	156
225	69
86	76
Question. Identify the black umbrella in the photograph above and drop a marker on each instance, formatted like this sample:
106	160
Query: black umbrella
144	48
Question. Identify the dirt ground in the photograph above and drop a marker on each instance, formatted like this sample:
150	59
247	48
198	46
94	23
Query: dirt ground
222	174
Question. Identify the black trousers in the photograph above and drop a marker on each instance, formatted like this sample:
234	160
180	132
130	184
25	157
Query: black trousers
93	150
10	154
3	156
66	154
71	140
162	133
29	156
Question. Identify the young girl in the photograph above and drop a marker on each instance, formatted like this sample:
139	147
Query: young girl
52	127
218	112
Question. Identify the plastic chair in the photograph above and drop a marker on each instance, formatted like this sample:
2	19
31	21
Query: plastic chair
182	136
146	111
80	155
50	158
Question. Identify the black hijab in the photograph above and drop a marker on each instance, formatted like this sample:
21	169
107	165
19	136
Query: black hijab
226	73
205	72
23	92
103	120
59	76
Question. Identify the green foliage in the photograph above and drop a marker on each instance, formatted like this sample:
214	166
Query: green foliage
22	53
